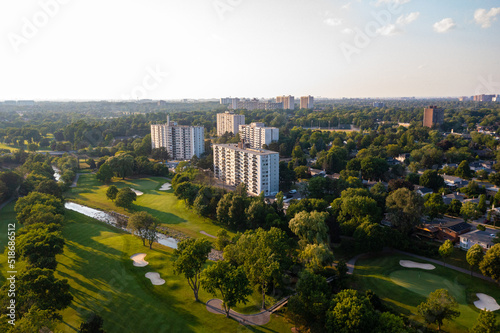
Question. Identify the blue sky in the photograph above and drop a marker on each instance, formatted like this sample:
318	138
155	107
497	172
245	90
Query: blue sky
166	49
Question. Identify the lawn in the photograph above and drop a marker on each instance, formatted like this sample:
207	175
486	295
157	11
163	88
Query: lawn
96	262
162	204
404	289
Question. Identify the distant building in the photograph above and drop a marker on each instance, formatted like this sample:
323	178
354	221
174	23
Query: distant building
258	169
161	103
227	100
257	135
463	98
307	102
433	116
288	102
10	102
182	142
26	103
252	104
379	105
483	98
229	122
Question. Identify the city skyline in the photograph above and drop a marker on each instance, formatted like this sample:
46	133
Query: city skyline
171	50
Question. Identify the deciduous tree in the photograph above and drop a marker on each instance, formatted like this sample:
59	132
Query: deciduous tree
490	265
439	306
446	250
474	256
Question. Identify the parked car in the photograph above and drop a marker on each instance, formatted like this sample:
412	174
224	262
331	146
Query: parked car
292	191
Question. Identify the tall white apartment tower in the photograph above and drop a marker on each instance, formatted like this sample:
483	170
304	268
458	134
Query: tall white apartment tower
182	142
257	135
229	122
307	102
288	102
258	169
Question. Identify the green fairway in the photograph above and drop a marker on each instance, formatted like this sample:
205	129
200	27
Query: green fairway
96	262
405	288
162	204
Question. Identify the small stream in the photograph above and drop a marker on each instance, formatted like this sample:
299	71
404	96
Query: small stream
107	218
57	173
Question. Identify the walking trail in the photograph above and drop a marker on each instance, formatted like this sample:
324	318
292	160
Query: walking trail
215	306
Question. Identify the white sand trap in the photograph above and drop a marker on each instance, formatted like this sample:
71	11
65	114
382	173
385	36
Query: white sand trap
486	302
412	264
138	259
138	193
155	278
165	187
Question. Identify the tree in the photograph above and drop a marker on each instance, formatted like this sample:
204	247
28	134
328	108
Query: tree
122	165
404	209
316	256
25	205
141	224
434	206
38	287
93	324
439	306
111	192
446	250
125	197
469	211
490	265
49	186
351	312
463	170
432	180
369	237
104	174
455	207
160	154
230	281
40	247
222	240
189	259
307	308
486	323
91	163
474	256
390	323
310	227
481	206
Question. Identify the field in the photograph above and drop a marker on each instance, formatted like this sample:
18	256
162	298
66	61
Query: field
96	262
405	288
162	204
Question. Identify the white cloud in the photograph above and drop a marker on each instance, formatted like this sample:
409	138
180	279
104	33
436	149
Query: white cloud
347	31
396	2
346	6
484	18
444	25
388	30
407	19
333	22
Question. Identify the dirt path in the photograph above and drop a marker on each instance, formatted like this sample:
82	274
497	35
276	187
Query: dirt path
215	306
207	234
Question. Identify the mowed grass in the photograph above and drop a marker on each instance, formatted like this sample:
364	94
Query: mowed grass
96	262
162	204
405	288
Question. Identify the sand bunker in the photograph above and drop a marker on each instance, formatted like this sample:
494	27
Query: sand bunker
486	303
138	193
165	187
412	264
138	259
155	278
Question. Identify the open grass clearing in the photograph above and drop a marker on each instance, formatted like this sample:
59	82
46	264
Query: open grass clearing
405	288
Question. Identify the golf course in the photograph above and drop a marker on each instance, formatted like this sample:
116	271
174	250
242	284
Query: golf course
103	278
405	288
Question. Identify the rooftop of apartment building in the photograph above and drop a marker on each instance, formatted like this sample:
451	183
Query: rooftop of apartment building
239	147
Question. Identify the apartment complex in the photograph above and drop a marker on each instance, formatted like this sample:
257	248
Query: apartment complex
288	102
483	98
378	105
258	169
433	116
257	134
182	142
229	122
307	102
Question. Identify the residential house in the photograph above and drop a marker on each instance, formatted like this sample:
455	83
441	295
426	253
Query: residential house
483	238
455	182
423	191
449	197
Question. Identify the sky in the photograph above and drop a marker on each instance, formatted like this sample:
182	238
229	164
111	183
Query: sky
176	49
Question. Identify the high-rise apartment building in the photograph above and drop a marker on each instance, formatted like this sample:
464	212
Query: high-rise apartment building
258	169
433	116
288	102
307	102
483	98
257	134
229	122
379	105
182	142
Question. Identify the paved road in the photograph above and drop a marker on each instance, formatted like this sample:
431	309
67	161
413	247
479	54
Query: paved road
6	202
215	306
